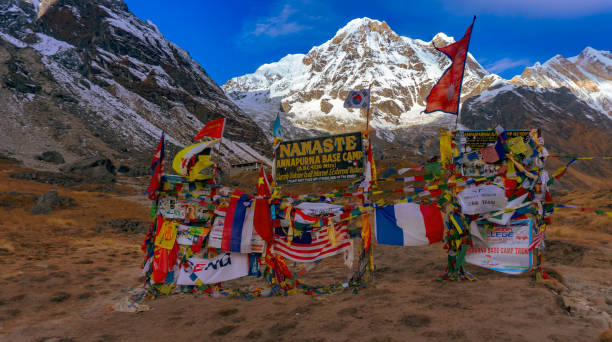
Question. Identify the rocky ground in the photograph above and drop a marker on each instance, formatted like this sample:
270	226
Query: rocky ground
63	271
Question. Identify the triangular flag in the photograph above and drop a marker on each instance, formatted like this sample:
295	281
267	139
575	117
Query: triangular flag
276	131
445	95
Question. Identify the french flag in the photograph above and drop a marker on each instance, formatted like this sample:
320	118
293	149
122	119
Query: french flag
409	224
238	224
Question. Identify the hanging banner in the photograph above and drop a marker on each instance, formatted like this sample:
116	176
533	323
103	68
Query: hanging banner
502	248
482	199
320	208
322	159
473	144
225	266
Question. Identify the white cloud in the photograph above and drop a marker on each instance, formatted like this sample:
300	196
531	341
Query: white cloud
280	25
505	64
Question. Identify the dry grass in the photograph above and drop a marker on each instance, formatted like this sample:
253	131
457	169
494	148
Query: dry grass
6	247
60	222
580	225
63	231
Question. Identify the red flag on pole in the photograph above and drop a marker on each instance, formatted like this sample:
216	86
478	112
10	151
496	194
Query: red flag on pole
445	95
157	165
213	129
262	222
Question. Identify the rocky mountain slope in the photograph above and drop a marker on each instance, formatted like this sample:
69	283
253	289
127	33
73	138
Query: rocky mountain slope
588	76
570	99
89	78
569	126
310	89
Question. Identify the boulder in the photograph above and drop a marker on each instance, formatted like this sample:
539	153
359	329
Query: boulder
123	169
51	157
134	171
94	170
130	226
326	106
50	201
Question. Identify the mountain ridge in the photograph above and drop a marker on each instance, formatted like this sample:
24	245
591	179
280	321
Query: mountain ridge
309	102
310	88
89	78
587	75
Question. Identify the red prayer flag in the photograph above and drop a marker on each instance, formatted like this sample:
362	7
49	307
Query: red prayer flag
445	95
213	129
157	165
262	222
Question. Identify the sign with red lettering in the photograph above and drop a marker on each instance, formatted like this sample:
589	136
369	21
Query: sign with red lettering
502	248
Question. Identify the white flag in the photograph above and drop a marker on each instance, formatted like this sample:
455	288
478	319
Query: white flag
358	99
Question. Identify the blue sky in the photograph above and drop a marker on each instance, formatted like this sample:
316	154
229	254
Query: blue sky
231	38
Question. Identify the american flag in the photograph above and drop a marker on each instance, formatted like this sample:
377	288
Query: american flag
536	240
320	248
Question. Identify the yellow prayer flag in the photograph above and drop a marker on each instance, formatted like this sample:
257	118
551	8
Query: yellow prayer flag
446	151
331	232
517	145
166	236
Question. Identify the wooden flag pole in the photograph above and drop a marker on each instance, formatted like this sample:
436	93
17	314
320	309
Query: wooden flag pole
368	112
458	113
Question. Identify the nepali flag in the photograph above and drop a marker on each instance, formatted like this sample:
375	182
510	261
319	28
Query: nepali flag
409	224
445	95
263	218
321	246
238	224
213	129
157	166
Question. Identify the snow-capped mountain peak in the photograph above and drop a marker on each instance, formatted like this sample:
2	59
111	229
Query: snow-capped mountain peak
441	39
310	89
588	75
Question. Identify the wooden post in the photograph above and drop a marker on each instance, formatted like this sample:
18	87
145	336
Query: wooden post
368	112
